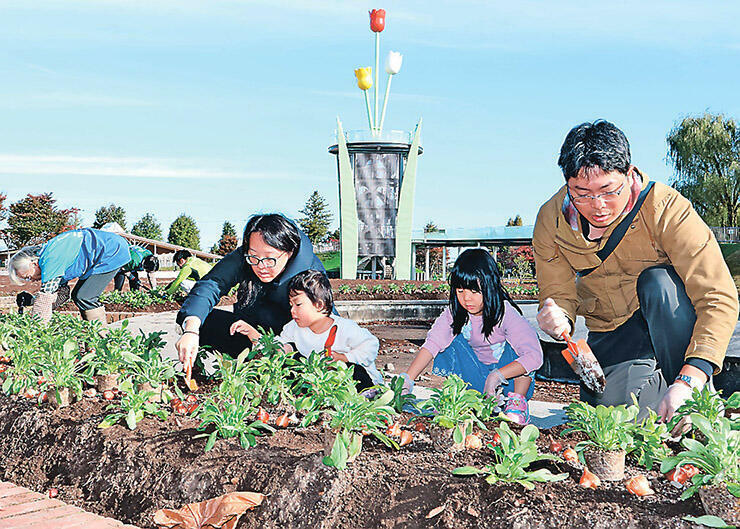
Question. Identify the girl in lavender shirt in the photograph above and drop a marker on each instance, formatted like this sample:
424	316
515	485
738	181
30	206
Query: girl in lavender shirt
482	337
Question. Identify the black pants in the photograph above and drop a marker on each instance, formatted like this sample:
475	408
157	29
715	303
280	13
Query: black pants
120	279
646	352
215	333
86	292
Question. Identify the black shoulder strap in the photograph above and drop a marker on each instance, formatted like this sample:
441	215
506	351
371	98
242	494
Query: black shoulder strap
618	234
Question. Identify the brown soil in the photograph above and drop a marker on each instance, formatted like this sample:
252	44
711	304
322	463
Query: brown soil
130	474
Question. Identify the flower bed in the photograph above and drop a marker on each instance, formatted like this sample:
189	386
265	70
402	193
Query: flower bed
124	454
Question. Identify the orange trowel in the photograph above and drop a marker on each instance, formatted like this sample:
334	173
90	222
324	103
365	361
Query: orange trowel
584	363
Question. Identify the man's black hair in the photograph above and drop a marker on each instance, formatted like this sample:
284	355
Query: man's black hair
150	263
316	286
182	254
598	145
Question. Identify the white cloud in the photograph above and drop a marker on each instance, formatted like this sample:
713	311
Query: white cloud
132	167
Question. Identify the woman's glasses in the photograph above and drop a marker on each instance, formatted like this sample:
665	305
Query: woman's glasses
268	262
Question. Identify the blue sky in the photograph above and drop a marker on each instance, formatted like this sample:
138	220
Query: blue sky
221	109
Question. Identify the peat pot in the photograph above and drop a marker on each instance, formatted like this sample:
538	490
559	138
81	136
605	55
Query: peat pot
607	465
60	397
158	390
718	501
106	382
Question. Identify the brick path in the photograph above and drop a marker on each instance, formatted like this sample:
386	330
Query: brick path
21	508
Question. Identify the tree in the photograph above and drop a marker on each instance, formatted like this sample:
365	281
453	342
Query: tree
184	232
110	213
705	153
35	219
518	260
228	241
516	221
316	218
3	209
148	226
435	255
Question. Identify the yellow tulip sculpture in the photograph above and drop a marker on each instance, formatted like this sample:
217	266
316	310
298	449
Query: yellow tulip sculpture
364	78
364	83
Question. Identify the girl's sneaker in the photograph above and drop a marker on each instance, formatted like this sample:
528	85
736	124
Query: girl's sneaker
517	408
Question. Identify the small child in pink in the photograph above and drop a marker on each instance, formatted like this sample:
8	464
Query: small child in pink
482	337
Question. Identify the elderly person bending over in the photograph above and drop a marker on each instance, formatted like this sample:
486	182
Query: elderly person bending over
92	256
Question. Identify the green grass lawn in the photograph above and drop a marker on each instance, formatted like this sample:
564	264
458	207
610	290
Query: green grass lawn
330	260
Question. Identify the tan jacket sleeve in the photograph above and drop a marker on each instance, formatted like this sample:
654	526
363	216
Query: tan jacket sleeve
694	253
555	277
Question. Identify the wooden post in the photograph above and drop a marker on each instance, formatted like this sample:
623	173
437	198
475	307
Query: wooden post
426	263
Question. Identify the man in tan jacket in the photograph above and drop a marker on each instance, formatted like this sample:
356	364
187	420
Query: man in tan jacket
659	301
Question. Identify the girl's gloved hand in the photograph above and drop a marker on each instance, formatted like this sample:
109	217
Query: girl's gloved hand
493	381
408	384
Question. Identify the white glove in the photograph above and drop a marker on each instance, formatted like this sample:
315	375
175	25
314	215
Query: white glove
677	394
493	381
552	319
408	384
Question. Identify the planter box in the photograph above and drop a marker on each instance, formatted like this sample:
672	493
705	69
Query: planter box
391	310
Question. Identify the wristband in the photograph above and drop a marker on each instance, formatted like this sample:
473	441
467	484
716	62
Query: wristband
191	332
689	381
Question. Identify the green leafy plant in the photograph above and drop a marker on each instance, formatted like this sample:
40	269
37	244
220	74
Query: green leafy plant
229	416
513	455
113	351
717	457
319	383
607	428
354	417
490	407
393	288
408	288
648	441
362	289
63	368
454	404
426	288
400	400
377	289
344	288
134	406
150	366
272	376
703	401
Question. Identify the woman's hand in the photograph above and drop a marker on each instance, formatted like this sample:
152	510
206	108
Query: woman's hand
187	350
242	327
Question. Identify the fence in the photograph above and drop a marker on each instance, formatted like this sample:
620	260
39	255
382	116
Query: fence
728	234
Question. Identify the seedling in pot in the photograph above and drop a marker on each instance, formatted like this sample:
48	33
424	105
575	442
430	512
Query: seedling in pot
63	371
321	382
609	431
399	399
454	404
706	403
512	458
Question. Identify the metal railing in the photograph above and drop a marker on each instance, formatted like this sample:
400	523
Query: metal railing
726	234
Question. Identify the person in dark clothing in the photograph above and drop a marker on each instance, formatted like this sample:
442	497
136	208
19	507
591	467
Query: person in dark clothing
142	260
272	252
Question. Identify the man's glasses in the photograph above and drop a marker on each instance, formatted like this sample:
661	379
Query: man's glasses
585	199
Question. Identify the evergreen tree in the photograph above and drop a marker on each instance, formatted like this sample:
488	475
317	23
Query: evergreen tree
228	241
110	213
184	232
316	218
148	226
35	219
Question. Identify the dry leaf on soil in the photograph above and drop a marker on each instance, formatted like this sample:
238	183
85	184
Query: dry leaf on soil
222	512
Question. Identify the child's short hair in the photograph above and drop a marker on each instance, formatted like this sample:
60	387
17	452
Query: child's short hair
316	286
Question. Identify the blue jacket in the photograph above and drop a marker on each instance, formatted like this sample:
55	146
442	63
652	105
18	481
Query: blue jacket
271	309
82	253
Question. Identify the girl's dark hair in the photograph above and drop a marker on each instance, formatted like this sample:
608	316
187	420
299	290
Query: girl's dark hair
316	286
476	269
278	232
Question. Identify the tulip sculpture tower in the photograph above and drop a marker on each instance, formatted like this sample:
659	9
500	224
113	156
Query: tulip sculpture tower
377	180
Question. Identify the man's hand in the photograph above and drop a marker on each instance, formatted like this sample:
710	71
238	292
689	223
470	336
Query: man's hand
493	381
242	327
552	319
677	394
